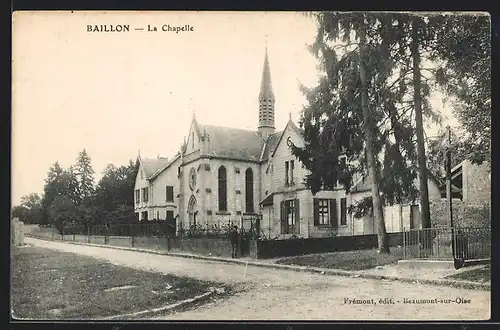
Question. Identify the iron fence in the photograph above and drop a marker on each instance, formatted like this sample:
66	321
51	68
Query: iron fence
444	243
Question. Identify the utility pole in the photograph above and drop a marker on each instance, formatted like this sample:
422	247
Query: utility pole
449	208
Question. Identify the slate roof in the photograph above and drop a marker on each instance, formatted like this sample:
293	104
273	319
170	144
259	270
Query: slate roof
272	143
268	200
152	165
233	143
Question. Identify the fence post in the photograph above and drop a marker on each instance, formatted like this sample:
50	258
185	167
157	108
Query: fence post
88	233
132	235
53	228
418	242
404	244
74	239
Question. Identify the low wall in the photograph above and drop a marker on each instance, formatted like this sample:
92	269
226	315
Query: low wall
294	247
215	247
17	232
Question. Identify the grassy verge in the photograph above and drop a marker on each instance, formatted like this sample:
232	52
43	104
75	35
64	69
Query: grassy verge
348	260
480	275
49	284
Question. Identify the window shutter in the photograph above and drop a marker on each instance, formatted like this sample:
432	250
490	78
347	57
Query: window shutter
333	213
316	211
282	216
343	211
297	216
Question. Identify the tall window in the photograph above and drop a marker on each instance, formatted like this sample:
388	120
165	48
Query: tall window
145	195
249	190
192	138
343	211
169	193
222	189
292	165
287	164
290	216
137	196
325	212
170	215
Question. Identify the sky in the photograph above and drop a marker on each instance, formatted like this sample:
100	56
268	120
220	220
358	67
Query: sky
120	93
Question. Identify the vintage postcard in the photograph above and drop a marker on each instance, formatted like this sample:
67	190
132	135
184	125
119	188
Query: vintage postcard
251	166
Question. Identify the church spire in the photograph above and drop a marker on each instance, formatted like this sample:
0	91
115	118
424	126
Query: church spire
266	101
266	87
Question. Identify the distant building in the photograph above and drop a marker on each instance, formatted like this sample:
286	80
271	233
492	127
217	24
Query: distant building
226	174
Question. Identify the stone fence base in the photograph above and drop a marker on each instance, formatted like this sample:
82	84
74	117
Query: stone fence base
17	232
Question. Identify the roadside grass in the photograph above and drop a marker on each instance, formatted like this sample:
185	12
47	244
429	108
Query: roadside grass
347	260
479	274
47	284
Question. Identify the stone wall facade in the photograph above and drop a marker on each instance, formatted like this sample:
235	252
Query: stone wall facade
476	183
465	214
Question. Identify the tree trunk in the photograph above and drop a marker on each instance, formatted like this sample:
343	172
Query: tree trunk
383	246
417	99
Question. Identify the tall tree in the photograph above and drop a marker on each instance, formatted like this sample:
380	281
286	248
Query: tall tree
368	123
33	205
62	211
31	200
85	176
464	54
21	212
59	182
417	101
114	195
358	110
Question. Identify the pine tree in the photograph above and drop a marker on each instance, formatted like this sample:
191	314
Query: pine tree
359	110
463	51
85	176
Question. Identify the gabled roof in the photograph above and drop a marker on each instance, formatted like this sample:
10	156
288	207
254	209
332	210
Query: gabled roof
268	200
294	127
233	143
270	145
152	165
160	170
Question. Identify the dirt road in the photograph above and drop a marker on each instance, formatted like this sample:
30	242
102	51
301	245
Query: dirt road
287	295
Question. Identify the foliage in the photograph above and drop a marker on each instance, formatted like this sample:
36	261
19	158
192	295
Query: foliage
333	120
62	212
59	182
213	231
436	156
70	198
464	52
21	212
116	187
85	176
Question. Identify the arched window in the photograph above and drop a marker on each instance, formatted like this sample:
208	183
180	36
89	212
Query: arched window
249	191
222	189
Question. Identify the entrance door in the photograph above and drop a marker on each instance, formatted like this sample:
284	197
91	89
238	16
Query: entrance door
171	223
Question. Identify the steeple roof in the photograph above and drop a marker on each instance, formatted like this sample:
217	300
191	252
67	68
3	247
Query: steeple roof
266	88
